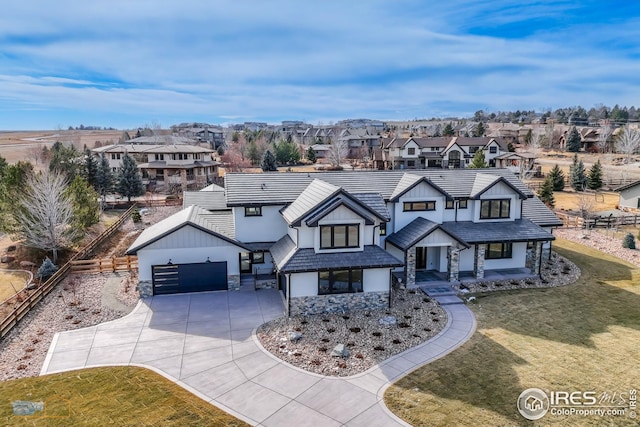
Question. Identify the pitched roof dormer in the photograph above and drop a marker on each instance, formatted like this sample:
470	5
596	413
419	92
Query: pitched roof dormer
410	181
484	181
321	198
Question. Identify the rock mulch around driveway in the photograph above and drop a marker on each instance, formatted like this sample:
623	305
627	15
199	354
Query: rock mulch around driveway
77	302
308	341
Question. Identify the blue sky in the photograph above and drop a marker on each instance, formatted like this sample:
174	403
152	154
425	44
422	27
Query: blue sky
125	63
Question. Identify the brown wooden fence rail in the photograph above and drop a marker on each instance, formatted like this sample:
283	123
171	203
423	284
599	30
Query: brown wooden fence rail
126	263
29	301
574	221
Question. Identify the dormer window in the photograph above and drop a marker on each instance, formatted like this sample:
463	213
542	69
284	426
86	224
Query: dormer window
339	236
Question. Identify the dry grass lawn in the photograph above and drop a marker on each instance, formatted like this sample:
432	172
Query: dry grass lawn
10	282
602	201
580	337
119	396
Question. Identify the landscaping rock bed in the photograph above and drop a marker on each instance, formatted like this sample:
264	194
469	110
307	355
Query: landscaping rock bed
367	340
600	240
557	271
75	303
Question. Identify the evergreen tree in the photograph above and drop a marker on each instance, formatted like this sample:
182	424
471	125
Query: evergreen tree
90	167
287	152
478	161
84	200
557	177
129	179
311	155
545	193
104	178
594	179
574	143
268	163
66	160
46	270
510	147
479	130
252	152
448	130
578	176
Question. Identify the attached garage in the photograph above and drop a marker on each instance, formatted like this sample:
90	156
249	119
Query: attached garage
193	250
192	277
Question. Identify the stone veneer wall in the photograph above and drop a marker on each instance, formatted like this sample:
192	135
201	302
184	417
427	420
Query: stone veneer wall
145	288
338	303
479	261
411	266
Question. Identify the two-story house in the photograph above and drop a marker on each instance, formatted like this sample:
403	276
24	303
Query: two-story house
437	152
336	239
163	167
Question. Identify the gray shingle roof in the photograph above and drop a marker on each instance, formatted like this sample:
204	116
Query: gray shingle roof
340	200
316	193
521	230
484	181
219	224
627	186
209	200
408	181
375	202
537	212
289	260
283	188
415	231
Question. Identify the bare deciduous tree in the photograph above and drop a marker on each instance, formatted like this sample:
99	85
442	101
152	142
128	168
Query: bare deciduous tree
628	142
338	152
46	213
603	138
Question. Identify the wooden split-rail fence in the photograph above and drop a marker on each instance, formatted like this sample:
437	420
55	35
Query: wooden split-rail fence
22	308
126	263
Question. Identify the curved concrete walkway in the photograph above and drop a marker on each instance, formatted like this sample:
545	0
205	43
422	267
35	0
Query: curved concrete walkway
206	343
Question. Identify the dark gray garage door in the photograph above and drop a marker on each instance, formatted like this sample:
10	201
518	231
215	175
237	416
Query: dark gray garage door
196	277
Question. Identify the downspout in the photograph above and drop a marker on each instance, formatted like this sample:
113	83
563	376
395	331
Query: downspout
289	295
373	237
390	286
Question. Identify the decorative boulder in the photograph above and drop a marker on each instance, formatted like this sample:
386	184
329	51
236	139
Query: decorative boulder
340	351
294	336
27	264
388	321
7	258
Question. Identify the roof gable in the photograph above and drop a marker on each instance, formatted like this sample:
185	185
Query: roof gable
410	181
417	230
484	181
217	224
316	193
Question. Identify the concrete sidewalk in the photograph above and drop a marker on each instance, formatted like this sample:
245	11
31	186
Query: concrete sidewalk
206	343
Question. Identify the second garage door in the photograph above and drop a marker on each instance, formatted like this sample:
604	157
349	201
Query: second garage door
194	277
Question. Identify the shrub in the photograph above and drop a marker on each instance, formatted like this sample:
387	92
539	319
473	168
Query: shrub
47	269
135	216
629	241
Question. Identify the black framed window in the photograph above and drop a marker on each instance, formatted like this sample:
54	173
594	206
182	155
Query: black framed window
411	151
253	211
383	228
493	149
495	209
339	236
339	281
463	203
257	258
449	204
498	251
411	163
419	206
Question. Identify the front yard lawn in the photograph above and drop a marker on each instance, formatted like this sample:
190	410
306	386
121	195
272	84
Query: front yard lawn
582	337
118	396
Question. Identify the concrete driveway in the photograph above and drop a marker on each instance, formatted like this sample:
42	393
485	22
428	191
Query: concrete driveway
205	343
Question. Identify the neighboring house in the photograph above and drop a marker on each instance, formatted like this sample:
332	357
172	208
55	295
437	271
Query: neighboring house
334	239
519	163
629	196
165	167
321	150
359	142
437	152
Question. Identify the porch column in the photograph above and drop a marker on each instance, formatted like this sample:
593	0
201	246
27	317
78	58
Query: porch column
537	257
478	261
411	266
453	263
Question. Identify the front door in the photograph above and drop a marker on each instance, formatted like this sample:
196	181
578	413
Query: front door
421	258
